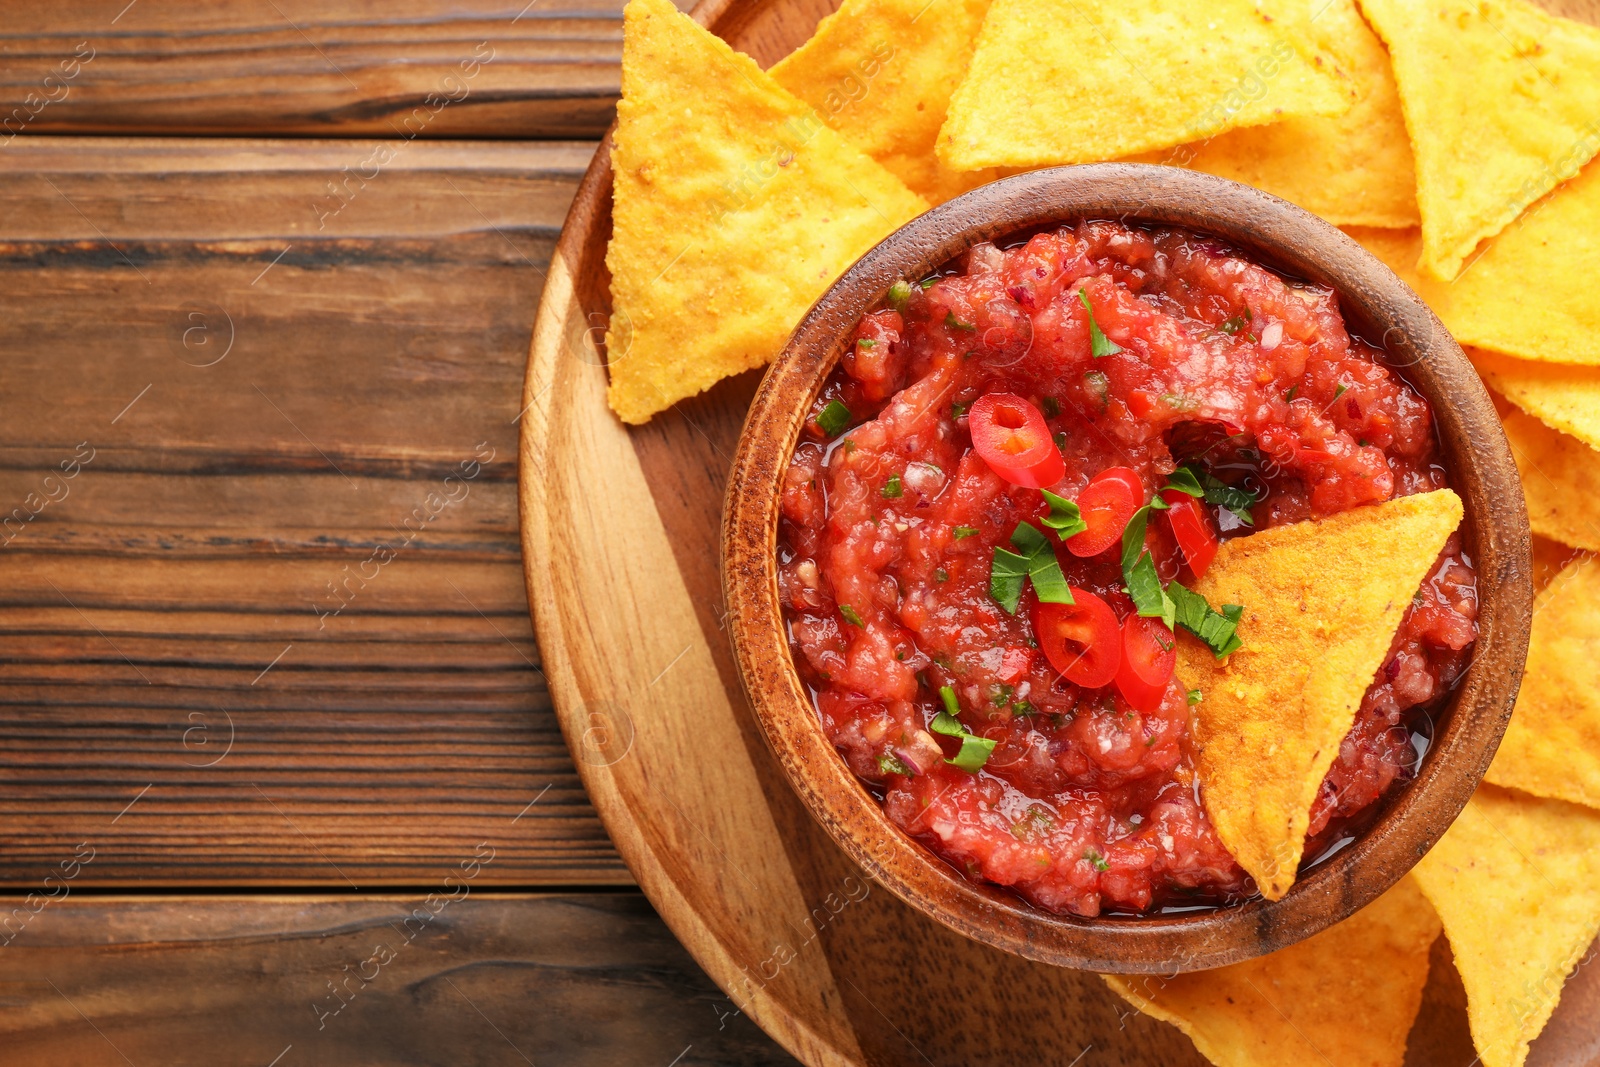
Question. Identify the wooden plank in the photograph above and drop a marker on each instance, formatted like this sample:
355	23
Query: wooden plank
546	68
561	981
240	591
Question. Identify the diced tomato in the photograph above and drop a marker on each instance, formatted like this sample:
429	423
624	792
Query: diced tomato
1149	655
1192	529
1011	436
1081	640
1106	503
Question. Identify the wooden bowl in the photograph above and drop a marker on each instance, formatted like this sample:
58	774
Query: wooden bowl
1378	306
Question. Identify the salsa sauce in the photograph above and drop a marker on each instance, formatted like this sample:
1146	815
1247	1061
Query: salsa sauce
890	521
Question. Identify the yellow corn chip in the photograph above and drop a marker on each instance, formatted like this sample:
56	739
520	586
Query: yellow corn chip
881	73
735	208
1354	170
1559	477
1530	293
1552	748
1300	1005
1563	397
1320	611
1503	104
1072	81
1516	880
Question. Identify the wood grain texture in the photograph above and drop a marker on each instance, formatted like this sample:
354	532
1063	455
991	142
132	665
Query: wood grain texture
226	510
561	981
341	69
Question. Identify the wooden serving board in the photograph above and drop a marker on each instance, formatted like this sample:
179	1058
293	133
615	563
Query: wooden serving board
620	537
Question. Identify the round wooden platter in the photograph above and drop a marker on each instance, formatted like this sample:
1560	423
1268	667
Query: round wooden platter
620	535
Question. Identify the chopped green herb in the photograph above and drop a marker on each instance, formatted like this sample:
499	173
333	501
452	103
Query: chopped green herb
1021	709
1099	343
1293	389
1098	860
963	531
947	696
889	763
892	489
1044	570
1099	387
1000	695
1184	480
1238	322
974	753
1218	629
1061	441
928	283
900	654
974	750
899	295
941	575
954	323
1337	393
1139	569
834	418
850	615
849	446
1052	407
1179	402
1234	499
1194	697
958	410
1064	518
866	342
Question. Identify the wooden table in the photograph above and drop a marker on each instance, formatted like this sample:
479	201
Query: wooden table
268	685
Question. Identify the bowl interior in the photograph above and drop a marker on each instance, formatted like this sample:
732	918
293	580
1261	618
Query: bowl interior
1377	306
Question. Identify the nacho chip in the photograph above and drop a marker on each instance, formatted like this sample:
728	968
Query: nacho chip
1559	477
1503	104
1552	748
1563	397
1296	1005
1320	611
1354	170
881	73
1516	880
1072	81
735	208
1530	294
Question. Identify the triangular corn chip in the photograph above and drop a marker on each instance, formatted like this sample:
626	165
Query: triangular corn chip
881	73
1296	1005
1559	477
1530	294
1561	396
735	208
1503	104
1515	881
1072	81
1552	748
1354	170
1320	611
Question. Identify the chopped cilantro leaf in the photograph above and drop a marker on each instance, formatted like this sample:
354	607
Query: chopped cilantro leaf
974	753
850	615
1044	570
866	342
1052	407
954	323
899	295
889	763
1064	518
834	418
941	575
1184	480
1218	629
1139	569
1238	322
963	531
892	489
1293	389
928	283
974	750
1097	860
1237	500
1099	387
947	696
958	410
1194	697
1021	709
1337	393
1006	575
1099	343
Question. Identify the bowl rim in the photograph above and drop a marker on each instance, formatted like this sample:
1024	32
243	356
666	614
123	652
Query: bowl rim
1377	304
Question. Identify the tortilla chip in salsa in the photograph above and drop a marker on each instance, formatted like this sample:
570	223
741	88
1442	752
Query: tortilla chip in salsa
1295	1005
1559	477
1321	608
1503	104
717	170
881	73
1530	293
1516	881
1073	81
1353	170
1552	747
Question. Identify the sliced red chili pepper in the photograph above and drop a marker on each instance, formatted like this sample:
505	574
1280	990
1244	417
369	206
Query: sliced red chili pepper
1192	529
1081	640
1106	503
1011	436
1149	655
